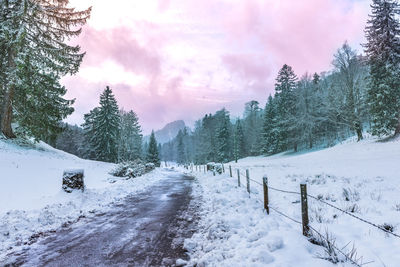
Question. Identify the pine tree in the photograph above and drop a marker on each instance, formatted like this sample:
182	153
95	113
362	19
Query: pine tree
89	129
383	53
33	37
223	140
130	141
103	127
270	128
252	124
152	152
286	106
181	151
239	142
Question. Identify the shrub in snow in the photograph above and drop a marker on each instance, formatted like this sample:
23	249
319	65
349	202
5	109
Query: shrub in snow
150	166
212	166
132	169
351	195
388	227
73	179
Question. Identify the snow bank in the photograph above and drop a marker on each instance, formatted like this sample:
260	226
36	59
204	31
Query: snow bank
235	231
359	177
32	201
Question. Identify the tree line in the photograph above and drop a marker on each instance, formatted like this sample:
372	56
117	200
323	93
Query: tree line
360	93
34	55
109	134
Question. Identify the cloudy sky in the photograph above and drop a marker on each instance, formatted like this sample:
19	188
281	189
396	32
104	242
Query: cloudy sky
180	59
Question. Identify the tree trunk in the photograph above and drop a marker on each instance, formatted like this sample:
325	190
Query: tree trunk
295	147
397	131
6	116
7	111
359	132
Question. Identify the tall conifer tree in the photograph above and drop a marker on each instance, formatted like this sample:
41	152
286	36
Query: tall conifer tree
152	152
35	55
383	52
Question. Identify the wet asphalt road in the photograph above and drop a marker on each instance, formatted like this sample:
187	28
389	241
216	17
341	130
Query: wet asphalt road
146	229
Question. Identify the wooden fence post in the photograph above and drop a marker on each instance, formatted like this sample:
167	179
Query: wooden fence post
248	180
230	170
304	209
265	186
214	172
223	168
238	174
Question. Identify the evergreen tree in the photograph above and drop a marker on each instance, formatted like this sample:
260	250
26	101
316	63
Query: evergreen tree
89	129
130	141
239	142
152	152
181	151
252	124
35	55
270	128
223	141
286	108
105	127
383	53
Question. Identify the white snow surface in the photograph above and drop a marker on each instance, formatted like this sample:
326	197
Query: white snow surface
31	198
235	231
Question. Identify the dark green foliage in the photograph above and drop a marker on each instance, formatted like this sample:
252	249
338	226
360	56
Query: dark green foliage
34	56
152	152
286	107
130	137
383	53
102	126
270	136
239	144
180	149
223	140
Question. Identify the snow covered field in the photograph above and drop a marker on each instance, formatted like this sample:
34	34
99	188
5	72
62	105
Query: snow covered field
31	199
363	178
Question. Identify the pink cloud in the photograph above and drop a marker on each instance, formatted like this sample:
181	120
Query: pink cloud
120	46
304	34
195	57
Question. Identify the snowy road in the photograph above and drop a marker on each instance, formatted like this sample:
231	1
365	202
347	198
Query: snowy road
147	229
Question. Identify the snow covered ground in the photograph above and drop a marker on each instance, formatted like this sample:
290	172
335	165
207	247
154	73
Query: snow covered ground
31	199
236	231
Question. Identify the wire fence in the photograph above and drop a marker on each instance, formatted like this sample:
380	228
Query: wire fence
350	258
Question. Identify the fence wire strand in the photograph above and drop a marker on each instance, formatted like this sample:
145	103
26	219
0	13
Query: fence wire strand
284	215
354	216
333	206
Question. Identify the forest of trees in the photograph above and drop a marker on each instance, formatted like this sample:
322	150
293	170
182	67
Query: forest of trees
360	93
34	56
109	134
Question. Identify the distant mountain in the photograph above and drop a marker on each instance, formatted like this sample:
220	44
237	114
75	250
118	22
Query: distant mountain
167	133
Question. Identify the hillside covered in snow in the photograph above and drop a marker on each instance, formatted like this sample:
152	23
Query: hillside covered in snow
361	178
31	198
